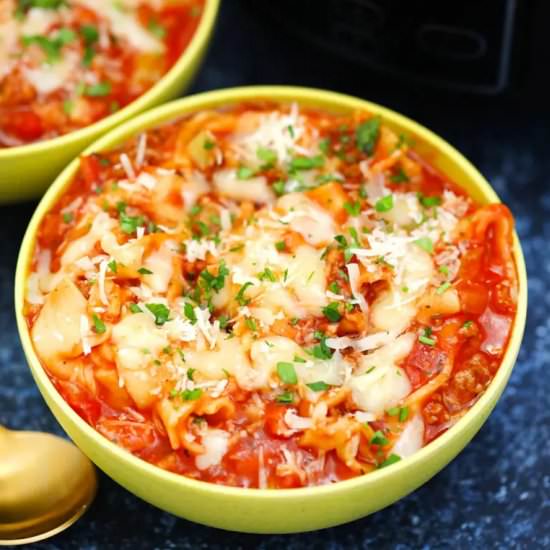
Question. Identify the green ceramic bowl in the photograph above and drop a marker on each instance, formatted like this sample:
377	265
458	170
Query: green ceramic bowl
283	510
26	171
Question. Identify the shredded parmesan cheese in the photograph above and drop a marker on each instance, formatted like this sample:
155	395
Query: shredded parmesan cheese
127	165
84	331
353	272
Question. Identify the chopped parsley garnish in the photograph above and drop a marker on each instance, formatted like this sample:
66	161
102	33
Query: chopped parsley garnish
428	202
425	243
287	373
467	324
99	325
191	395
190	372
204	230
89	33
68	106
240	297
307	163
68	217
385	204
341	240
44	4
189	312
403	414
325	178
441	289
392	459
354	237
425	337
51	46
279	187
223	320
318	386
251	324
280	245
144	271
267	156
334	287
244	173
366	135
156	28
399	177
331	312
134	308
100	89
444	269
129	224
321	350
195	210
353	208
214	282
160	311
343	245
285	397
298	359
379	438
324	145
267	275
112	265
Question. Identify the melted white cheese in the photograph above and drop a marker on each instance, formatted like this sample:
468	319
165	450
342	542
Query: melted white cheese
138	341
254	189
411	439
56	332
215	443
306	217
381	384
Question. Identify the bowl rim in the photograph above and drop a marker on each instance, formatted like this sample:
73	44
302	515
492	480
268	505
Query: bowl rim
193	49
278	94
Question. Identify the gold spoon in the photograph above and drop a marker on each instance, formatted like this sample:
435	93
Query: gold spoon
46	484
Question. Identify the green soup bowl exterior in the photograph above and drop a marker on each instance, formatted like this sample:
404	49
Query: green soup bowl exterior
280	510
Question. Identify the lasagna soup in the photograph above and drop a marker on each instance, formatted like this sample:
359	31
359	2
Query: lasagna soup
271	297
64	64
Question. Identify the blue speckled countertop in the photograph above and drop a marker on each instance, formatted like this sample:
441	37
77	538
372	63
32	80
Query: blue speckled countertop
496	493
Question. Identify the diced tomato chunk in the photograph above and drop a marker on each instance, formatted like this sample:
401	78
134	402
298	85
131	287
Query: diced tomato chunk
422	363
274	420
90	169
473	297
25	125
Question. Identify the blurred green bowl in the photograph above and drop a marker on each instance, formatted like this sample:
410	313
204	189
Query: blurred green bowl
26	171
281	510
